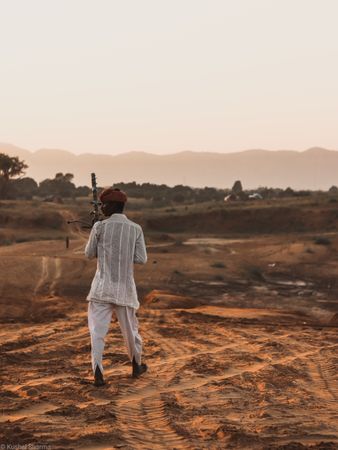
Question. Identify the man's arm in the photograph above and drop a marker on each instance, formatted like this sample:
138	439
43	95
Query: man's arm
91	247
140	255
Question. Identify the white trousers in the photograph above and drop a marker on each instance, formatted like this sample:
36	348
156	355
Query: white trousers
99	318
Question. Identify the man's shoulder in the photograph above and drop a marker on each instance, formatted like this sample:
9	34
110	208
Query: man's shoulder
97	225
134	224
122	219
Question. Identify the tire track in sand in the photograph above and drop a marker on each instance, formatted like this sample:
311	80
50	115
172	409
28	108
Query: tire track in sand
144	423
149	389
323	372
51	273
57	276
139	408
43	277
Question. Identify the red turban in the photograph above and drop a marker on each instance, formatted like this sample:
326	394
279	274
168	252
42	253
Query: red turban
113	195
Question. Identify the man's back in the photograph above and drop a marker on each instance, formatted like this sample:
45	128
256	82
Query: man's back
118	243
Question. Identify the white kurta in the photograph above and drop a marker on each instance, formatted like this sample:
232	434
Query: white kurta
118	243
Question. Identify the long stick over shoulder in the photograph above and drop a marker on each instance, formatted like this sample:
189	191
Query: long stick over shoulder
95	213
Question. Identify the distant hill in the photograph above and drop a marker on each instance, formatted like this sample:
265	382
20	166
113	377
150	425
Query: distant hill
315	168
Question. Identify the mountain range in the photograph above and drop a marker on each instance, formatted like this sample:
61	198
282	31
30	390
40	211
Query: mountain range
315	168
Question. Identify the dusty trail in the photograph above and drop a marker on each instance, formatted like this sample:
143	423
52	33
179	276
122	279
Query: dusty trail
51	274
139	413
44	275
218	377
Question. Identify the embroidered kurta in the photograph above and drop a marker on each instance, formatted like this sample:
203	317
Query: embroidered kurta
117	243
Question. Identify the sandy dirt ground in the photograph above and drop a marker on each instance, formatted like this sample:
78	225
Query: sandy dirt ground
240	336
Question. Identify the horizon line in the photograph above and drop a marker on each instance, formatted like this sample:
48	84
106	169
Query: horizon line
128	152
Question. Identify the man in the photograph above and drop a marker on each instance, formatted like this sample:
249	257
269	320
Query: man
117	243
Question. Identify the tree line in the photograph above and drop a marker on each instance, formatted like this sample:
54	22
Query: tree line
14	185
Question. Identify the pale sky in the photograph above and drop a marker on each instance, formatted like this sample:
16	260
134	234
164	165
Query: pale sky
162	76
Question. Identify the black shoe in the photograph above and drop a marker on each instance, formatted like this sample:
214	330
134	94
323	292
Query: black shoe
138	369
98	381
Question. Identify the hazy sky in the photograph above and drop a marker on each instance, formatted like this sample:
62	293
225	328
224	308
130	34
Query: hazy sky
110	76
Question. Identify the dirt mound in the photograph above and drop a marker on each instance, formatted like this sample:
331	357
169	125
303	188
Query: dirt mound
166	300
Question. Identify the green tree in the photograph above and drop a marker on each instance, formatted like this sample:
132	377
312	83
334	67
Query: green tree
10	167
82	191
61	186
23	188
